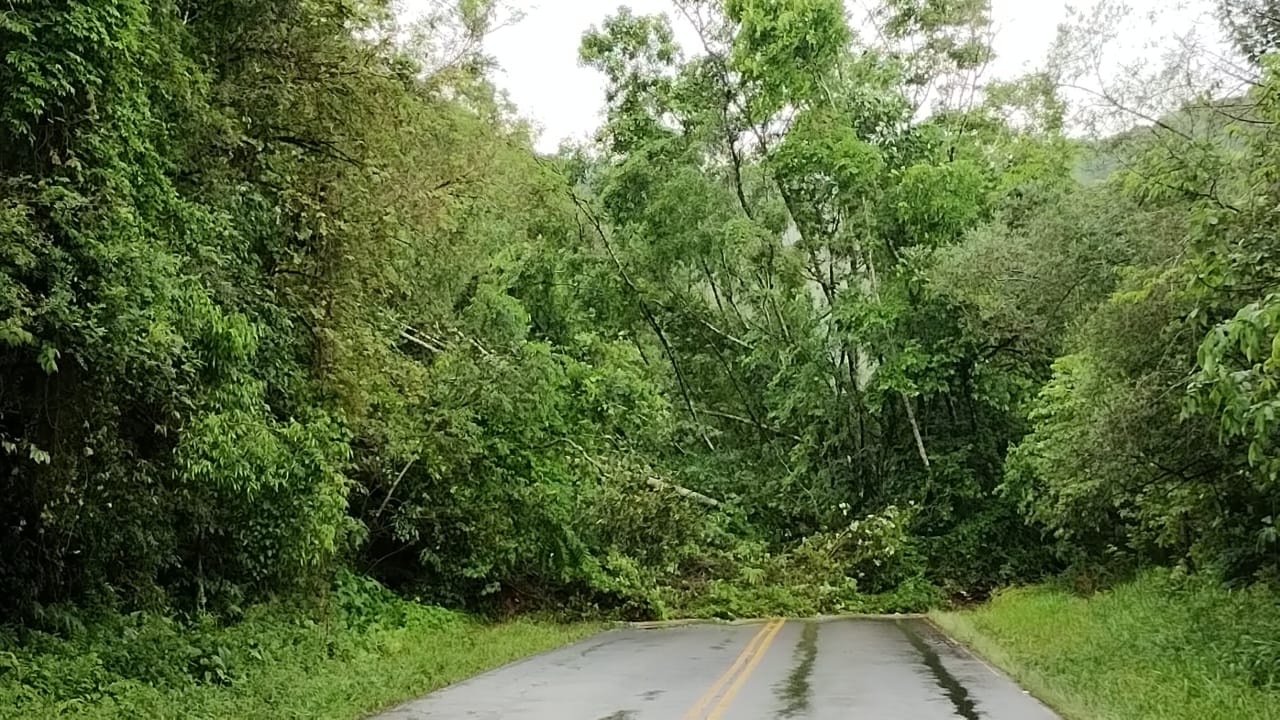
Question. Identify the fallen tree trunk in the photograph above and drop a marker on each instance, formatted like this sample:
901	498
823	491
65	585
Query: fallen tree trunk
697	497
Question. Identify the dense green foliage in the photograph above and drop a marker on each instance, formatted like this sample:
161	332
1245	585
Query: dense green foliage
820	322
1153	440
286	290
1158	648
864	307
262	316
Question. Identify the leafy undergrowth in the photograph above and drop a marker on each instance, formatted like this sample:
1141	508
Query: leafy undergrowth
871	565
370	650
1158	648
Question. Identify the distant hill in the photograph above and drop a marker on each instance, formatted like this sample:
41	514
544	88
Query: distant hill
1101	157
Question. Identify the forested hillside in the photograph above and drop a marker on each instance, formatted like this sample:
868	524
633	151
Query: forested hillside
824	320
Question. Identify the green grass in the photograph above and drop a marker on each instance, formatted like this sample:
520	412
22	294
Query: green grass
271	665
1153	649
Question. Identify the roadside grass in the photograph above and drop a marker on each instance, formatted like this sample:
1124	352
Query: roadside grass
1157	648
273	664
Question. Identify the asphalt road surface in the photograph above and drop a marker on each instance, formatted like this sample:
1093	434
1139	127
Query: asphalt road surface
878	669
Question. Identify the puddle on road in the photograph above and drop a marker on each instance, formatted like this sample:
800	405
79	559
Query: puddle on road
621	715
956	692
795	692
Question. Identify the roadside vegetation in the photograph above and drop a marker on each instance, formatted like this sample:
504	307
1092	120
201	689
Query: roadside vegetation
823	320
363	651
1157	648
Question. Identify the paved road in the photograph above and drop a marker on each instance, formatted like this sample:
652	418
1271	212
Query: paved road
879	669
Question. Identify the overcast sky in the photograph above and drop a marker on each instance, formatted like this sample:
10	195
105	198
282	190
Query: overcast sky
539	55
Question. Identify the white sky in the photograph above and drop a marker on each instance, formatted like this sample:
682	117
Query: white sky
538	56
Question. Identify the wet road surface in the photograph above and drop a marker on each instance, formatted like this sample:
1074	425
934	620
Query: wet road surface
881	669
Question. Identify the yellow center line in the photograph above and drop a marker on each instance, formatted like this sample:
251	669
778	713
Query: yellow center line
747	653
720	707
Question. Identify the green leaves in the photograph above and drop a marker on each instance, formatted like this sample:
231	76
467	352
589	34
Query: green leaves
636	54
787	50
48	359
1238	382
936	204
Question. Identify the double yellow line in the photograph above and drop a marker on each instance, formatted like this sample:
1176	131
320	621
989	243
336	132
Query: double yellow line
723	690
